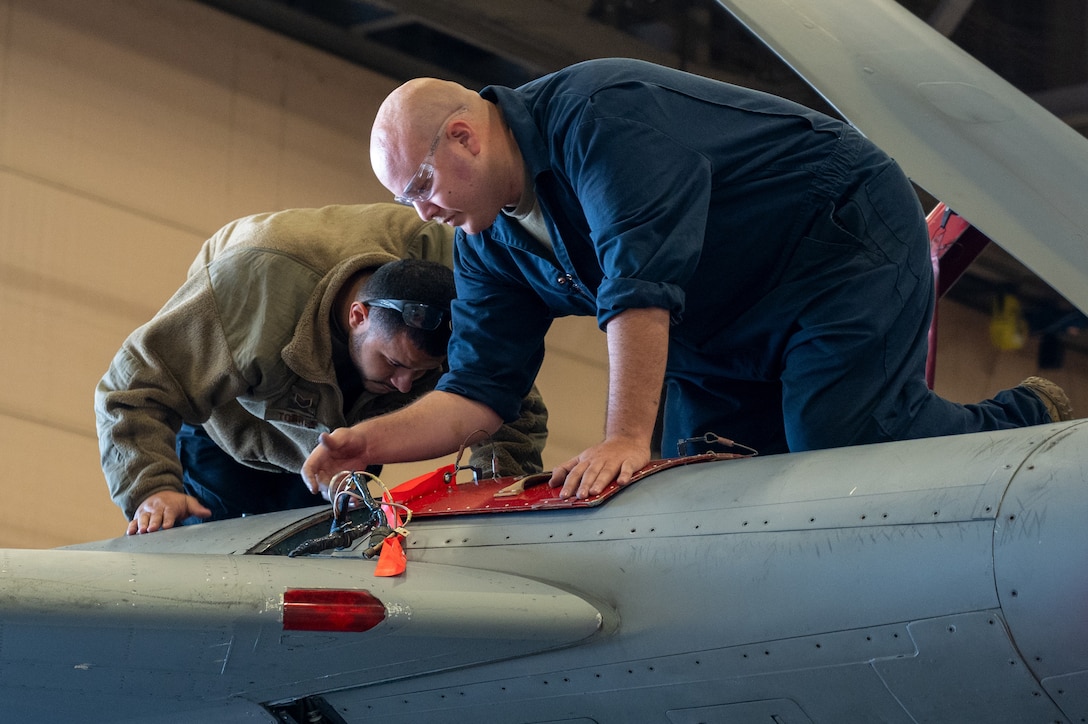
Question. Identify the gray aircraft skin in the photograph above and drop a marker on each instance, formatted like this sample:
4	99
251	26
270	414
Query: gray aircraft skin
936	580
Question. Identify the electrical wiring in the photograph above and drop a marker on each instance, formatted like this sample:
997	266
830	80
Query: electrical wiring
348	491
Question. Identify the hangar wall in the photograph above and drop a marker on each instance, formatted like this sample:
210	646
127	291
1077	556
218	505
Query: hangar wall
130	130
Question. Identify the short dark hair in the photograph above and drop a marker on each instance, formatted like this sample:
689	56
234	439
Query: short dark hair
413	280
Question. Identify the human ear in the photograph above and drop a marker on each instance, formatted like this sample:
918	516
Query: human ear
462	132
358	314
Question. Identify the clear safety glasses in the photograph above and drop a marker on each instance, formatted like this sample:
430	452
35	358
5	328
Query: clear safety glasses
421	187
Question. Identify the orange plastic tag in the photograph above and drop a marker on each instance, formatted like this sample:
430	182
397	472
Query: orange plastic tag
391	559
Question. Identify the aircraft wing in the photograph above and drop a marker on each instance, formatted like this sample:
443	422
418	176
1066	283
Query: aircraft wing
975	142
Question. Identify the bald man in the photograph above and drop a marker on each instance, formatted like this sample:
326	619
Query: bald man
766	262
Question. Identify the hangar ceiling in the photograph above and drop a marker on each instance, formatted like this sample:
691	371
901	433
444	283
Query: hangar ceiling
1040	47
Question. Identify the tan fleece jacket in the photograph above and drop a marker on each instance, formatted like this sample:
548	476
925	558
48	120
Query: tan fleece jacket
244	348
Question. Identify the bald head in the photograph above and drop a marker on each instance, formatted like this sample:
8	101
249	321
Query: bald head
408	120
475	167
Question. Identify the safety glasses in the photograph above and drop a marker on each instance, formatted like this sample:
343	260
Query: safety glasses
415	314
421	187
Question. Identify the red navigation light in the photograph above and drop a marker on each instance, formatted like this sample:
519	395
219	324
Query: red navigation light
328	609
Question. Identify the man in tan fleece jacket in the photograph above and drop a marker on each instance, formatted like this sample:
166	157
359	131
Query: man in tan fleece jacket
275	337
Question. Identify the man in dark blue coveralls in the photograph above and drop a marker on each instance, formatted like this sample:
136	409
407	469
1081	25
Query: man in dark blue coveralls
765	261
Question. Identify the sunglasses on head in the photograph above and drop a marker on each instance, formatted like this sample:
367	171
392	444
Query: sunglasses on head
415	314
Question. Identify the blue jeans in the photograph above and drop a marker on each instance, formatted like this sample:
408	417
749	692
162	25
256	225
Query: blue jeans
231	489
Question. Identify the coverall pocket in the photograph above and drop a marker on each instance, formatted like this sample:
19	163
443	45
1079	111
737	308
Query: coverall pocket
885	216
